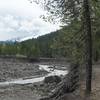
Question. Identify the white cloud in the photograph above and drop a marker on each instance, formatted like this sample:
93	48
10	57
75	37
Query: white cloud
20	18
12	27
9	21
20	7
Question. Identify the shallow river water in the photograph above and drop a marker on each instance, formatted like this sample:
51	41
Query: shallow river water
50	69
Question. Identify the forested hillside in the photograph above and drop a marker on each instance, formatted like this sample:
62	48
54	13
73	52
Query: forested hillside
36	47
65	42
69	41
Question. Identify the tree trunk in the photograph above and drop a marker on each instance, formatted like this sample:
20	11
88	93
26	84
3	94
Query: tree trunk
88	42
96	56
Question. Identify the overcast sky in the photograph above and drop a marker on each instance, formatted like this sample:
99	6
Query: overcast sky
20	18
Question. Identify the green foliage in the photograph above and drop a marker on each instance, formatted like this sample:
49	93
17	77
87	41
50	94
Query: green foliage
66	42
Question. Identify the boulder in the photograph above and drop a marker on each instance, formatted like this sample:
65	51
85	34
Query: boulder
52	79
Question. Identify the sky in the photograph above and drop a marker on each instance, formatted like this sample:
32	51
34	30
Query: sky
21	19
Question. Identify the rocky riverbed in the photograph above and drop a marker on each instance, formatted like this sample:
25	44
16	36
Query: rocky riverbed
12	69
18	79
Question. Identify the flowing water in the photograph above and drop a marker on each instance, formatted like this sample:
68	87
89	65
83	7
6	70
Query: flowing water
50	69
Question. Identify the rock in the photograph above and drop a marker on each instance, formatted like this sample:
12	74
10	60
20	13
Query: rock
41	85
52	79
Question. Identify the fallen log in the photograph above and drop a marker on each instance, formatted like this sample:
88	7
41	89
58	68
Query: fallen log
67	85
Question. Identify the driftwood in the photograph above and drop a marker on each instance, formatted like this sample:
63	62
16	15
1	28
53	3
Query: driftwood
67	85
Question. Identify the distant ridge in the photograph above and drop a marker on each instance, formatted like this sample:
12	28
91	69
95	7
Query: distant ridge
7	42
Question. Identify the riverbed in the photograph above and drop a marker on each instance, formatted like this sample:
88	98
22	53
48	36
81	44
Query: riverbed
22	80
16	72
50	72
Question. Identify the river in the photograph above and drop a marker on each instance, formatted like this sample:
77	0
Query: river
50	69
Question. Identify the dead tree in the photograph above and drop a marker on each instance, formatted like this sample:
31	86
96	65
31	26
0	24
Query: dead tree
68	85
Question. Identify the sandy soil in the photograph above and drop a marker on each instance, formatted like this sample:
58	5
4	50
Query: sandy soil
95	94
